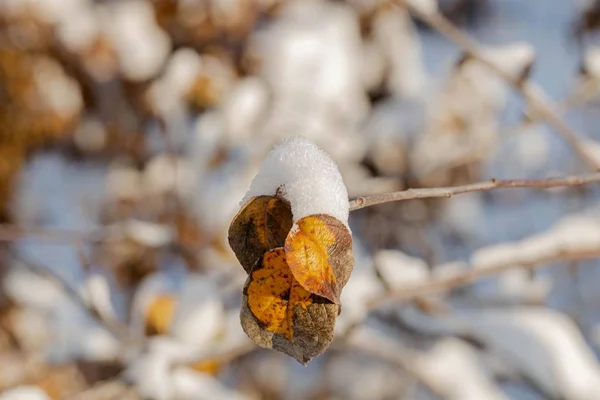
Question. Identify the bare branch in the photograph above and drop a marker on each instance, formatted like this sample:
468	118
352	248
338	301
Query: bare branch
530	92
447	284
493	184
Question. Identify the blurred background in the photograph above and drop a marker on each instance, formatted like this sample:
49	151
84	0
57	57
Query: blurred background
130	130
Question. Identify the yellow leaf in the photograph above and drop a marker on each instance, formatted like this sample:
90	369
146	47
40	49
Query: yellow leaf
318	250
261	225
159	315
208	366
274	294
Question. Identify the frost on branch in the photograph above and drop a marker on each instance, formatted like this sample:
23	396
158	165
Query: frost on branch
292	238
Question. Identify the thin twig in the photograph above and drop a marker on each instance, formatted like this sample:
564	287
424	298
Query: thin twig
584	92
12	233
447	284
493	184
530	92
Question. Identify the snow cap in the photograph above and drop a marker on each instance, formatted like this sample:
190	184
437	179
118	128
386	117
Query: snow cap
304	175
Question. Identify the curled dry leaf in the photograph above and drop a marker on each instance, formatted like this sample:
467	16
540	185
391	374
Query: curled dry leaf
261	225
277	312
319	253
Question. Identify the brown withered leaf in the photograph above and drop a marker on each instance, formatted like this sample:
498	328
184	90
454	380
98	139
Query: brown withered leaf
261	225
318	250
278	313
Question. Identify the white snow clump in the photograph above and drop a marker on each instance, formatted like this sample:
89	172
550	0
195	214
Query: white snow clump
306	177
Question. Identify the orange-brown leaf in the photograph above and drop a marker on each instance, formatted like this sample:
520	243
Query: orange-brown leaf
318	250
261	225
273	294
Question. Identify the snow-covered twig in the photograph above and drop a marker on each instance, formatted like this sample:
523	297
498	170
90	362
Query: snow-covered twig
583	93
474	273
492	184
530	92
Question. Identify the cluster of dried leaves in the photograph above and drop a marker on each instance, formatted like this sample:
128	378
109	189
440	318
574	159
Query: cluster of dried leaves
296	272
